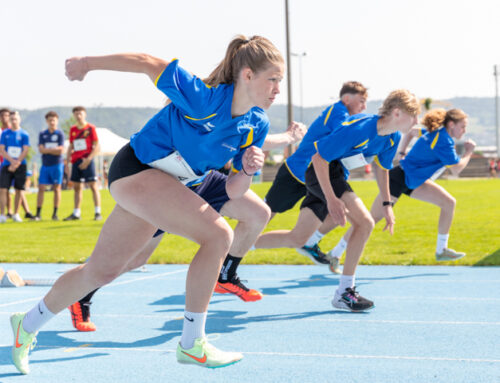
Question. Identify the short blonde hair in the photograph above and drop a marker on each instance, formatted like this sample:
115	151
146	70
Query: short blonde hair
401	99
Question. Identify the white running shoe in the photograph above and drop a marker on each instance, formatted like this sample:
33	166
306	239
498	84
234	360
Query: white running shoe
17	218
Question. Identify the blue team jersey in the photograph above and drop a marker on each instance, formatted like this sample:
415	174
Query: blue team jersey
430	153
353	137
51	141
329	119
14	140
198	124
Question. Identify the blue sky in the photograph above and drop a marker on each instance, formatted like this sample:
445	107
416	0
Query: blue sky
437	49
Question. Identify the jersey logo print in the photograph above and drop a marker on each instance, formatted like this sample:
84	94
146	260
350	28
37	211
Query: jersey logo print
231	148
208	126
17	336
201	360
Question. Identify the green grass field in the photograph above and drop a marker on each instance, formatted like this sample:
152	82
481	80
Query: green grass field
475	230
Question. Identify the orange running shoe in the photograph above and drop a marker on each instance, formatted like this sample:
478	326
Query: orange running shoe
234	286
80	317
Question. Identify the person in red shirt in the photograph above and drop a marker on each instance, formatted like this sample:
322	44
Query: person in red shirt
83	146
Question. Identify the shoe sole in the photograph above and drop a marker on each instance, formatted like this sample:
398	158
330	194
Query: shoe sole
306	253
449	259
219	291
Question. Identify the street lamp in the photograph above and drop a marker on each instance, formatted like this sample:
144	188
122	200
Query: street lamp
300	56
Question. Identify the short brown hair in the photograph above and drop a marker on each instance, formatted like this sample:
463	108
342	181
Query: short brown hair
4	110
454	115
51	114
353	87
401	99
79	108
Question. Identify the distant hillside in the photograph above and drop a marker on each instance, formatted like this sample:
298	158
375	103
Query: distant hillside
126	121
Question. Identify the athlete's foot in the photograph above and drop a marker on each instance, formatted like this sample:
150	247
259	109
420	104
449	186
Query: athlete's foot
72	217
335	265
55	217
236	287
29	216
97	217
315	254
449	255
203	354
80	317
24	342
351	300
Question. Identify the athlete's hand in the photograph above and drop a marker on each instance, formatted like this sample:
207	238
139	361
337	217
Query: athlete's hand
296	131
253	159
76	68
390	220
337	210
469	146
84	164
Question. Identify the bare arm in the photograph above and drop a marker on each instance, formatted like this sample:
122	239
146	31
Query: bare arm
382	177
238	183
414	132
469	149
55	151
78	67
336	206
293	134
4	154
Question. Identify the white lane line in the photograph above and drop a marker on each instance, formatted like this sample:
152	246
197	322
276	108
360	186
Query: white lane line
302	355
329	320
148	277
23	301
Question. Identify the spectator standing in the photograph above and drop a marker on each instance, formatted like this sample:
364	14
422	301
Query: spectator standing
14	146
4	125
51	147
83	146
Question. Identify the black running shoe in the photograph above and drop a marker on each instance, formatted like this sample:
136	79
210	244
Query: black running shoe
72	217
97	217
351	300
315	254
55	217
29	216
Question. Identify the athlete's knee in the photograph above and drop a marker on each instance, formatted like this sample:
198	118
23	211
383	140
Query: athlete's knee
261	214
365	224
450	203
219	237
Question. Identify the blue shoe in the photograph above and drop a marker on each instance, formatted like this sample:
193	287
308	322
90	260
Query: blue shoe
315	254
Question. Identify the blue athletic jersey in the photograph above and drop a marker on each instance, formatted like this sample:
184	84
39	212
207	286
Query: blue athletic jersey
14	142
383	149
430	153
51	141
198	124
329	119
352	137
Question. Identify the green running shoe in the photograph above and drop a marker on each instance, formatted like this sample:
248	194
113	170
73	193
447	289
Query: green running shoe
449	255
203	354
335	265
23	343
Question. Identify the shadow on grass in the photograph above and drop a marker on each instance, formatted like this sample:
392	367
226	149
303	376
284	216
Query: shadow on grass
490	260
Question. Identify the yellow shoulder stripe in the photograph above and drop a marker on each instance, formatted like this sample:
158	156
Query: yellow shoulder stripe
378	163
328	115
346	123
434	141
249	139
200	119
362	144
392	142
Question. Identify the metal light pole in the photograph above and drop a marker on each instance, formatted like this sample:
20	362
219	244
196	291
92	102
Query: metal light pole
497	123
300	56
289	75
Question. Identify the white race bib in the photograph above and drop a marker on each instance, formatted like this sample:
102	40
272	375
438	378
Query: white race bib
176	166
80	144
14	151
354	162
51	145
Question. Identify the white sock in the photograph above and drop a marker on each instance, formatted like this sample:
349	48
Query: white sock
77	212
193	327
442	243
252	248
338	250
97	210
346	281
315	238
37	317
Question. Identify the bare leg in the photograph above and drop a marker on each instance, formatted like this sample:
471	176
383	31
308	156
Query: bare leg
57	195
39	197
95	193
252	214
77	186
3	201
17	201
306	225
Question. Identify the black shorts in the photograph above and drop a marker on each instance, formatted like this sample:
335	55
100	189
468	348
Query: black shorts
285	191
19	177
85	175
397	183
125	164
315	199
